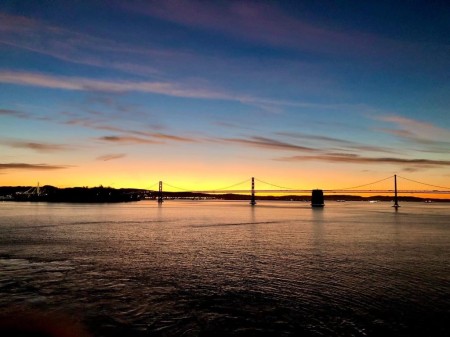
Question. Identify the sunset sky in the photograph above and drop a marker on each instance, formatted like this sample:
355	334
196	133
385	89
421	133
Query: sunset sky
205	94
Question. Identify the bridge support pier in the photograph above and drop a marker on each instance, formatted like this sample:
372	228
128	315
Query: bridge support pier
160	193
317	199
253	199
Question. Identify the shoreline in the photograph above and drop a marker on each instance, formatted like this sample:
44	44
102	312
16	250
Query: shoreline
111	195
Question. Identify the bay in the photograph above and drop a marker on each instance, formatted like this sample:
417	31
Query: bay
200	268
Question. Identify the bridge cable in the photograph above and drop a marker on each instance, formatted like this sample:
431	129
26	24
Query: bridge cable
225	188
156	184
283	187
178	188
414	181
217	189
373	183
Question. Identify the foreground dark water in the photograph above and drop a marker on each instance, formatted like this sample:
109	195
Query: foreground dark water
225	268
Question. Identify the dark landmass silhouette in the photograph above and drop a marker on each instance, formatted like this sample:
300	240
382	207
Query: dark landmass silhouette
102	194
74	194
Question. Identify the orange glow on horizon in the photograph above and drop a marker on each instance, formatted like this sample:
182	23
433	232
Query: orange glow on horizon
194	176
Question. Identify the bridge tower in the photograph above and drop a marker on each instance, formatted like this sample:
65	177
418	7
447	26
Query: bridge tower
396	205
253	200
160	193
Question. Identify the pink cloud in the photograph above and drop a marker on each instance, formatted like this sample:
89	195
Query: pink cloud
415	130
67	45
88	84
192	89
266	24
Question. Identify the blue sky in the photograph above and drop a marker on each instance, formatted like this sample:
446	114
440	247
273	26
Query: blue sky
126	93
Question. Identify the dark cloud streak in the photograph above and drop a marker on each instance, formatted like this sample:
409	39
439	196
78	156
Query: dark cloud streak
268	143
25	166
14	113
39	147
108	157
130	134
356	159
347	144
127	140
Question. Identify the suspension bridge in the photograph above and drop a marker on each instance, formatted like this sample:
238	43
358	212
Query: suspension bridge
277	189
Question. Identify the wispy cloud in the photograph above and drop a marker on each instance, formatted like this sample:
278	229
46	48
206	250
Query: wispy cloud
200	90
304	136
343	144
430	137
151	136
273	105
247	20
268	24
410	128
14	113
108	157
357	159
127	140
157	136
39	147
268	143
88	84
145	60
25	166
166	136
33	35
322	144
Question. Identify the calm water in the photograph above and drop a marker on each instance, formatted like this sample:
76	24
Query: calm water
224	268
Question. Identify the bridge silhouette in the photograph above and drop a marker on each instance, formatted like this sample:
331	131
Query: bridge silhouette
277	189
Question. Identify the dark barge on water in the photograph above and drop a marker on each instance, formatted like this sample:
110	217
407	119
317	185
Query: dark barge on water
317	199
